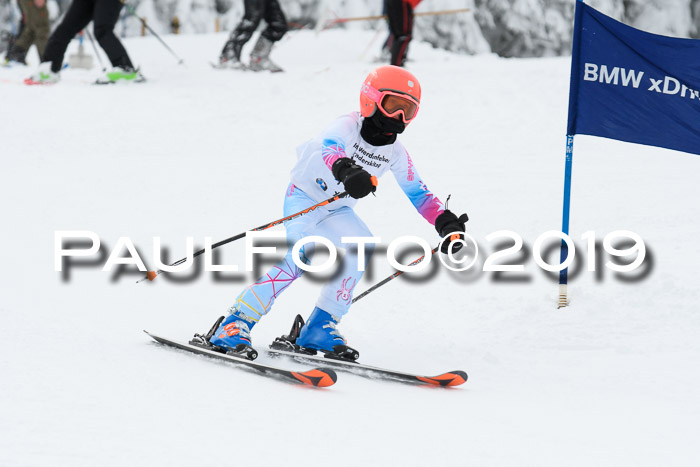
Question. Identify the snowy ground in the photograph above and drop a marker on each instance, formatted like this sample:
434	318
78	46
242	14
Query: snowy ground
611	380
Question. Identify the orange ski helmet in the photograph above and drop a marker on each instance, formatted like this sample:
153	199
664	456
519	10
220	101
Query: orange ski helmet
392	90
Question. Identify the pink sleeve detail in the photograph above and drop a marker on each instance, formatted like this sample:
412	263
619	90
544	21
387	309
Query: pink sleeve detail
331	152
425	202
431	209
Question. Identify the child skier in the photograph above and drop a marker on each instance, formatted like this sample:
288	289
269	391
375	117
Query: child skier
353	151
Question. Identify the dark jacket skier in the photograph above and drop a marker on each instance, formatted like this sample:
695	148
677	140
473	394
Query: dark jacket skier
255	11
104	15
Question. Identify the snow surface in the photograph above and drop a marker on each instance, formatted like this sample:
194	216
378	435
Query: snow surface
611	380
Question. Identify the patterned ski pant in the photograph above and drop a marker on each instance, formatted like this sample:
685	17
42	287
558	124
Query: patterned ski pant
336	295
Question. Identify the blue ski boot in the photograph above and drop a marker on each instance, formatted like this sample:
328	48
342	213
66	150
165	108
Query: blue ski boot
320	333
233	334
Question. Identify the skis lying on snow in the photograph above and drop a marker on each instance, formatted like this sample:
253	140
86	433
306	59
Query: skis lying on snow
286	346
316	377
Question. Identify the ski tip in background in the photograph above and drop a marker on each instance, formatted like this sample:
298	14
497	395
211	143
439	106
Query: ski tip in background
452	378
317	377
31	82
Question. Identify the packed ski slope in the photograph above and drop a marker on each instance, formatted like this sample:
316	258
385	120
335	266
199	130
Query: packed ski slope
612	380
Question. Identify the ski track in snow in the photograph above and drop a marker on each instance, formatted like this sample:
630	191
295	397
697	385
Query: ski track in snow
611	380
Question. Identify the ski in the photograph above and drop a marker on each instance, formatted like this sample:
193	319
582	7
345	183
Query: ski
316	377
222	66
97	82
30	82
345	358
242	67
451	378
101	82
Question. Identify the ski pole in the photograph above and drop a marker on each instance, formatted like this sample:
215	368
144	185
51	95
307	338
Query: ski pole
453	237
376	35
370	18
94	47
393	276
152	274
143	21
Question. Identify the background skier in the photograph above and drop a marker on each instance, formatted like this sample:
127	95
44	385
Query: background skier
104	15
353	151
255	11
400	18
34	30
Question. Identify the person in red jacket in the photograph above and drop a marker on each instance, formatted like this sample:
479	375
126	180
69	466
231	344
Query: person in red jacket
400	16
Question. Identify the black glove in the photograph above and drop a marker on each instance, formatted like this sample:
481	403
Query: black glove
357	181
447	223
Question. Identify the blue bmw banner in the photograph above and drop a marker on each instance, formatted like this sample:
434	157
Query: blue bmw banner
633	86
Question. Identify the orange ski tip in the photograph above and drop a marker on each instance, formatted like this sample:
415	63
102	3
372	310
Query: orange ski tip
319	378
375	181
452	378
151	275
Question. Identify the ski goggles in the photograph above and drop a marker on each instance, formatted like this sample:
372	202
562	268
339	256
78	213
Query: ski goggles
393	103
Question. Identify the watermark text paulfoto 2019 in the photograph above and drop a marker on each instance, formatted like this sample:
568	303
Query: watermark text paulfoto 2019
509	247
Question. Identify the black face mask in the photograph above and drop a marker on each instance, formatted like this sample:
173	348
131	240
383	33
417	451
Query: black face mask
380	130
